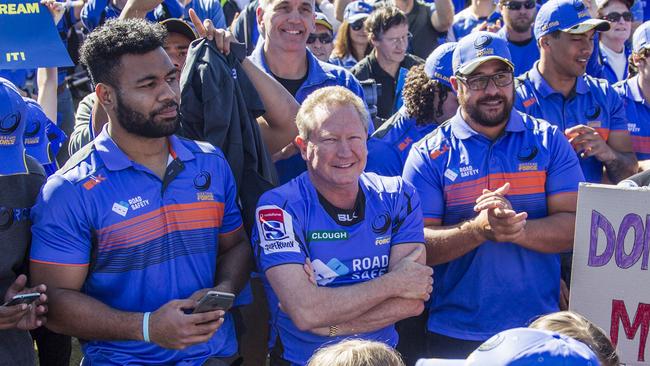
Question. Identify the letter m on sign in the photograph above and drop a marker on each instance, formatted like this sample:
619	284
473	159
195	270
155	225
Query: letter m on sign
641	320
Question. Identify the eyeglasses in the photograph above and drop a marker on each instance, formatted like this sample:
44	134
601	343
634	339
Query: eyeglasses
324	38
516	5
397	40
481	82
357	25
614	17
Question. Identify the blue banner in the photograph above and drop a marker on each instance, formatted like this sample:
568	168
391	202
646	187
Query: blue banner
28	37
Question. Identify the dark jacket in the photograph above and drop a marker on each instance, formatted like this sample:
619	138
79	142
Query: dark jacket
244	28
219	104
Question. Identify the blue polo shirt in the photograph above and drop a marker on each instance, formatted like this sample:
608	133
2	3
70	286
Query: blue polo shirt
292	225
524	54
594	104
496	286
206	9
145	241
640	10
319	75
96	12
390	145
465	21
638	116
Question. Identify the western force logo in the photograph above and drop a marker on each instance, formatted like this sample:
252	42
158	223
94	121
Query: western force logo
527	153
9	123
381	223
527	167
275	227
482	42
202	181
121	208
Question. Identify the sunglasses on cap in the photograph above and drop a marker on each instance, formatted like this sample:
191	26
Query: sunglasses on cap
516	5
614	17
357	25
322	37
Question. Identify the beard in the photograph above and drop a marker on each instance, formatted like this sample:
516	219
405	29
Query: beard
479	116
521	25
138	124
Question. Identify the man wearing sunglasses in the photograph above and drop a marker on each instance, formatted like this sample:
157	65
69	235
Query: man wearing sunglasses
587	109
518	18
320	41
493	181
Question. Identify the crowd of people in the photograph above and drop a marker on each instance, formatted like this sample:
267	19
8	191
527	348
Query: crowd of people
328	182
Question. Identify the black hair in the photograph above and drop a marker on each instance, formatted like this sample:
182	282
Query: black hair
419	96
102	51
383	19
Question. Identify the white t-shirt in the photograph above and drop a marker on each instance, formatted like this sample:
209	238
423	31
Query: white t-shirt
616	60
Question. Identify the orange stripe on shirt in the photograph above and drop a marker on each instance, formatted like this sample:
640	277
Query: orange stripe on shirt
521	183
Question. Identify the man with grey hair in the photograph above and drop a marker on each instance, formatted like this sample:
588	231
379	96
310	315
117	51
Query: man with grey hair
340	249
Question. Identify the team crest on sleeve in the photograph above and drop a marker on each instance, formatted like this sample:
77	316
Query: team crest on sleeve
275	228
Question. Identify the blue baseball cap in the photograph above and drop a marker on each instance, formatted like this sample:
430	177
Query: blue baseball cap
479	47
36	142
525	347
12	127
357	10
570	16
641	38
439	63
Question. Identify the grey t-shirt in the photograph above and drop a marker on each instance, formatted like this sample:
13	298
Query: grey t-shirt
17	195
425	36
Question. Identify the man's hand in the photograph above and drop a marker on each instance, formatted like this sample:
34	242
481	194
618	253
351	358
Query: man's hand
588	142
485	26
138	8
221	37
309	270
23	316
170	327
412	279
497	221
57	9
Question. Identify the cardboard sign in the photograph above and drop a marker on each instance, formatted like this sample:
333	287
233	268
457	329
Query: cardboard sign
28	37
610	283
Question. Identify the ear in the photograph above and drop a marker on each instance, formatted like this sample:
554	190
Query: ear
105	95
259	17
302	145
636	60
454	83
373	40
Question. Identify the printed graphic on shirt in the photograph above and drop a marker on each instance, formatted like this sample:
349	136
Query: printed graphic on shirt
276	230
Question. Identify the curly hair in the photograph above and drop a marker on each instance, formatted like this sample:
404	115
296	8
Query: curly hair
102	51
419	96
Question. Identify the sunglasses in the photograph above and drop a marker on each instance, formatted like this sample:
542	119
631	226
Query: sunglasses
357	25
516	5
614	17
324	38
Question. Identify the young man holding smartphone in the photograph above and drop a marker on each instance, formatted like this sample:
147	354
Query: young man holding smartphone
138	218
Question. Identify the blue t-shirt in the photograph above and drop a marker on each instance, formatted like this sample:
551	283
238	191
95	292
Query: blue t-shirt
523	54
465	21
206	9
638	116
319	75
292	225
390	145
145	241
496	286
96	12
594	104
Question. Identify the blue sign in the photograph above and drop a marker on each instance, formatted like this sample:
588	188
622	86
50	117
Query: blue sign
29	38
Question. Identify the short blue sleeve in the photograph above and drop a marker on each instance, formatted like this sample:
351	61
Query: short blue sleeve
419	172
408	226
277	237
564	172
61	231
618	117
231	216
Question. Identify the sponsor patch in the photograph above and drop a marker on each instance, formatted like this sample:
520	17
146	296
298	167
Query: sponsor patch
528	102
121	208
382	240
404	144
275	228
93	181
436	153
451	175
204	196
328	235
527	167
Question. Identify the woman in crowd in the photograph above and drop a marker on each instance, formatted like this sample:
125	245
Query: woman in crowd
612	50
352	43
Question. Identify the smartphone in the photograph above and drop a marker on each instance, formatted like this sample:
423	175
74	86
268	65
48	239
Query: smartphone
215	300
23	299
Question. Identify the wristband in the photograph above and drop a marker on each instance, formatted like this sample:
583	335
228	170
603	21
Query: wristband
145	327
